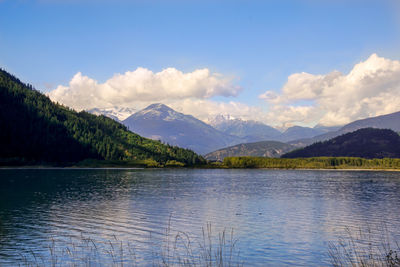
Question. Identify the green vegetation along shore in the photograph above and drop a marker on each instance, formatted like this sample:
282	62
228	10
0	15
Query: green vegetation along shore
311	163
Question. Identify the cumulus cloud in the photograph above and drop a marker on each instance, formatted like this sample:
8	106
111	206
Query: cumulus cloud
189	93
286	116
141	86
371	88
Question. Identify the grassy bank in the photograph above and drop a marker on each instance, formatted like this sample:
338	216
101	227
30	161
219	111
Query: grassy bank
365	248
357	248
176	248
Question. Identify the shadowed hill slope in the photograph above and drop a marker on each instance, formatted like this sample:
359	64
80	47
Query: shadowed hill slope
364	143
388	121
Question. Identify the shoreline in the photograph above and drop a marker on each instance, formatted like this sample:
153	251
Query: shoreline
41	167
331	169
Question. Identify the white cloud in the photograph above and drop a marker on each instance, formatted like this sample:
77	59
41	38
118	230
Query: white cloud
371	88
189	93
141	86
286	116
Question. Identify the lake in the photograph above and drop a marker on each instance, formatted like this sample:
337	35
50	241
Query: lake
135	216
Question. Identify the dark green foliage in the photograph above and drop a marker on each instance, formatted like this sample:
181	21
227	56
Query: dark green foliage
365	143
311	163
33	129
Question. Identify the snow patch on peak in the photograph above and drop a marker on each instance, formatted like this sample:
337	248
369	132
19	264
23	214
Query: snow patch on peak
116	113
157	106
221	118
162	112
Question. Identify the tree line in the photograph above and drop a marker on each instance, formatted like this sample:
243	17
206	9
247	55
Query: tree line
311	163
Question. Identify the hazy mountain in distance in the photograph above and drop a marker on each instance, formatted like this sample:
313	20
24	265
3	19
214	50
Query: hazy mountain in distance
253	131
389	121
271	149
364	143
297	132
326	129
160	122
115	113
248	130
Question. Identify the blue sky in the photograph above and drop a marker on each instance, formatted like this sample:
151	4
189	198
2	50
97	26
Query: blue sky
260	43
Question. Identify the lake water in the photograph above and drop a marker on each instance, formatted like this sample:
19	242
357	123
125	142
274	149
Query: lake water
278	217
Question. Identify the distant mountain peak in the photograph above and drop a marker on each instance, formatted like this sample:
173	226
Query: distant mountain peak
161	111
158	106
221	118
161	122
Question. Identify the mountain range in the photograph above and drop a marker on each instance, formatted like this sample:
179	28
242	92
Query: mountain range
36	129
253	131
160	122
247	130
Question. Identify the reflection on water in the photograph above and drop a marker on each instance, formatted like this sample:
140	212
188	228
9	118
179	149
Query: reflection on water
279	216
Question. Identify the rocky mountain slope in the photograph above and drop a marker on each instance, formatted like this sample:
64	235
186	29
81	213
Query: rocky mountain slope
160	122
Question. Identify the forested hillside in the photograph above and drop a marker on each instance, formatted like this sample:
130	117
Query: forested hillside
270	149
34	129
389	121
363	143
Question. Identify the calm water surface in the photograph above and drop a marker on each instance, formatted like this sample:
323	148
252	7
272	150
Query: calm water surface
279	217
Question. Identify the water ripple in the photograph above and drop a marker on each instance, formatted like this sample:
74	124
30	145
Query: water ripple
279	217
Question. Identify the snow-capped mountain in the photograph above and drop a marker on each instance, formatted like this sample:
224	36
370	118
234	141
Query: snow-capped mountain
219	119
159	121
254	131
248	130
116	113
